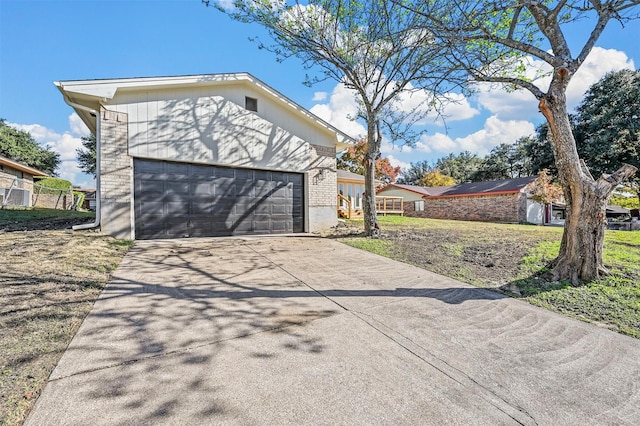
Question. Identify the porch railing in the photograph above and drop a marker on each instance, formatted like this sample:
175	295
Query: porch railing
384	206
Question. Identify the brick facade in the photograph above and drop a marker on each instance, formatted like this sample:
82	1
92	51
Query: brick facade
322	177
116	174
323	183
509	208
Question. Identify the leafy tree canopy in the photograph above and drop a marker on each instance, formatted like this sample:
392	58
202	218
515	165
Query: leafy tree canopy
607	124
87	155
18	145
506	161
414	173
435	178
460	167
353	160
544	190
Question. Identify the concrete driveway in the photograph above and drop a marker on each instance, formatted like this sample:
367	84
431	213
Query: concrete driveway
309	331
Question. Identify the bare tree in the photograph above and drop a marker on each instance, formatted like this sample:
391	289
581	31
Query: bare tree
494	41
375	48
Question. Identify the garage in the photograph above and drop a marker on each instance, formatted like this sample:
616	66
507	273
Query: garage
180	200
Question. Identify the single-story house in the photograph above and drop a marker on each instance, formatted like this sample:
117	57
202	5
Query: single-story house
206	155
494	201
412	195
16	183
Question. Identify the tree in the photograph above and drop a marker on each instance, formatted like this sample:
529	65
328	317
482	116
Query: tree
20	146
375	48
87	155
538	151
544	190
607	124
353	160
492	41
435	178
505	161
414	173
460	167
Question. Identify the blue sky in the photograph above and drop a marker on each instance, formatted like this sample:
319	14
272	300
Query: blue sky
42	41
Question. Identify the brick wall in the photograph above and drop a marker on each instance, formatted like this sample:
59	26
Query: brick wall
484	208
323	184
116	174
323	179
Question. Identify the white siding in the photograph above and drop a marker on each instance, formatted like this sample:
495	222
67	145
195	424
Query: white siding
212	126
535	212
397	192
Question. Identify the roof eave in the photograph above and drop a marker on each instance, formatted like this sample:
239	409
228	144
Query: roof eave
23	168
471	194
91	93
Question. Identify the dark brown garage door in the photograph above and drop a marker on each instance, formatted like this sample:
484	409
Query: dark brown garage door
176	200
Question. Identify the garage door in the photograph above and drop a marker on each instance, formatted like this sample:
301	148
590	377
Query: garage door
176	200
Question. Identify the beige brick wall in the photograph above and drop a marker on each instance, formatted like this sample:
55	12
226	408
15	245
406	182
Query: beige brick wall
323	184
485	208
323	179
116	168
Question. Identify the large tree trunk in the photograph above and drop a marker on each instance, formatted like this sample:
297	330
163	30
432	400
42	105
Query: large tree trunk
580	257
371	227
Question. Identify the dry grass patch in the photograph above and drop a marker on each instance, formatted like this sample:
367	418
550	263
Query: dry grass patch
514	259
49	280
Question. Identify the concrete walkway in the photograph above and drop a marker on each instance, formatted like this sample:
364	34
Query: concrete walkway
309	331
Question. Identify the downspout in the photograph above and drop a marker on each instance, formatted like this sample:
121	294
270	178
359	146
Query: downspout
95	113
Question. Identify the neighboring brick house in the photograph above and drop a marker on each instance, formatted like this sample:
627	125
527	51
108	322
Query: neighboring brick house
206	155
16	183
495	201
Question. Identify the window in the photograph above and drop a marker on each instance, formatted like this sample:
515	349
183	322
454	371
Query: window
251	104
358	196
343	203
418	206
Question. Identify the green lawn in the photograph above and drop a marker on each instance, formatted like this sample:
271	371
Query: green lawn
12	215
513	259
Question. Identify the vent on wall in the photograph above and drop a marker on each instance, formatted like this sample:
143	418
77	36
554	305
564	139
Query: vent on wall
251	104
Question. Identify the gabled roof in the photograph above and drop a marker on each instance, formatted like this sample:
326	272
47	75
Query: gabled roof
90	94
347	175
466	189
421	190
507	186
22	167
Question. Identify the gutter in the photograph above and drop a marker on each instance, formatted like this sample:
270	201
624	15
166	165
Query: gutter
96	222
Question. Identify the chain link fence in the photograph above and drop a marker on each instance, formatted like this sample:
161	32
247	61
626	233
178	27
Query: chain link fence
18	192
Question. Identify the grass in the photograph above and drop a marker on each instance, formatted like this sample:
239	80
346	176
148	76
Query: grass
49	280
513	259
13	215
612	301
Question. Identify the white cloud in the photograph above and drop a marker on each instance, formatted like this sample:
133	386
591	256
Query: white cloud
521	104
599	62
398	163
319	96
494	132
77	126
343	106
340	110
65	144
449	107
